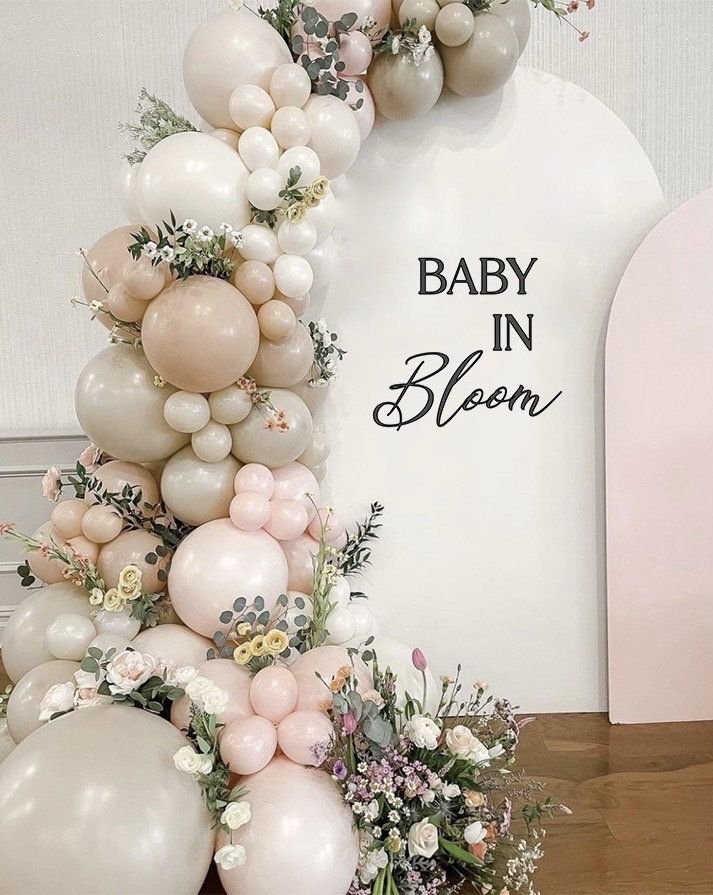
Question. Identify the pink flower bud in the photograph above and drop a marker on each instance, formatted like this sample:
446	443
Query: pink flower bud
349	723
419	660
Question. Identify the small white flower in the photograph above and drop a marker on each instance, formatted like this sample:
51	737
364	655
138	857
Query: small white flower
189	225
230	856
424	36
205	234
96	305
423	839
451	791
59	698
371	863
181	677
236	814
191	762
196	686
215	701
474	833
151	249
395	45
226	228
167	253
128	670
422	731
237	240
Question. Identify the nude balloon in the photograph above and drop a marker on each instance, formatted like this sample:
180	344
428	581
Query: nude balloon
115	475
23	708
105	262
142	279
212	443
217	563
324	660
282	364
68	636
200	334
336	137
84	547
366	111
230	405
122	624
259	243
66	517
186	411
43	567
229	49
254	441
101	524
255	280
257	478
317	452
485	62
249	511
403	90
290	85
313	396
304	736
277	321
517	13
230	677
121	409
195	491
131	548
173	643
299	554
296	482
273	693
248	744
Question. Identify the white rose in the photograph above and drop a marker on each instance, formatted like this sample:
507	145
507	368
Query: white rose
474	833
451	791
128	670
428	797
235	815
423	732
181	677
192	762
230	856
88	678
423	839
196	687
59	698
463	744
215	701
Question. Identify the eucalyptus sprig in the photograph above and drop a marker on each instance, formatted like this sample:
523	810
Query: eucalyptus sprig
282	17
325	65
157	120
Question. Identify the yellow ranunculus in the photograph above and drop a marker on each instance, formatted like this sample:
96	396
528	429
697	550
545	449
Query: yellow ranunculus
242	654
129	585
258	645
277	641
244	628
295	213
113	601
320	187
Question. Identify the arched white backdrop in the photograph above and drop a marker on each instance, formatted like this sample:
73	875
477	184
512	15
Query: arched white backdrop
493	547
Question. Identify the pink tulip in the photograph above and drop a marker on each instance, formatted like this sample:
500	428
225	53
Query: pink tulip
419	660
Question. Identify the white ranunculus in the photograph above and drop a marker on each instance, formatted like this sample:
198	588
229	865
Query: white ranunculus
88	678
215	701
192	762
451	791
59	698
230	856
462	743
235	815
474	833
128	670
423	732
423	839
196	687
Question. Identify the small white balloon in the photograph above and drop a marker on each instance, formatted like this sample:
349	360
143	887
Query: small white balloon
186	411
122	624
69	635
230	405
290	85
212	444
341	625
258	148
263	188
324	217
290	127
259	244
297	238
293	275
250	106
322	259
301	157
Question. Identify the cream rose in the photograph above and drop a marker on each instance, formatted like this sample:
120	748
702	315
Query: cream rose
128	670
451	791
230	856
191	762
113	601
214	700
423	732
59	698
464	744
181	677
423	839
474	799
236	814
474	833
129	585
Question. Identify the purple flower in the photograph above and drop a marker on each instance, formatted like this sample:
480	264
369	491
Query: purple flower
419	660
340	769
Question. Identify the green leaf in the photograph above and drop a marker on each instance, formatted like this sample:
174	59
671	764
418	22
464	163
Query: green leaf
460	854
90	665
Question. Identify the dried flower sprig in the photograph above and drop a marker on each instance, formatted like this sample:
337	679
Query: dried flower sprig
327	354
157	120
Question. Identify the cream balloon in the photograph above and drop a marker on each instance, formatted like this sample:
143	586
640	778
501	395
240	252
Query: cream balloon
484	63
250	106
517	13
229	49
124	306
121	409
290	127
282	364
186	411
172	643
115	475
293	275
264	187
101	524
258	148
142	279
362	103
66	517
106	642
23	644
304	158
68	636
277	321
192	175
230	677
213	443
230	405
297	238
317	452
420	12
314	396
356	52
401	89
322	259
455	24
196	491
200	334
255	442
259	244
104	263
127	191
51	810
336	137
23	707
341	625
226	135
121	624
290	85
217	563
7	744
131	548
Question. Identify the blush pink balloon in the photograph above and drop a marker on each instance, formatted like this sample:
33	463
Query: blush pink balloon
48	570
273	693
296	482
366	112
355	52
227	675
328	524
249	510
248	744
325	661
302	736
288	519
255	477
298	554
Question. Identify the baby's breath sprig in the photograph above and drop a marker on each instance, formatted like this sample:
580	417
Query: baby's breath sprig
157	120
296	199
326	354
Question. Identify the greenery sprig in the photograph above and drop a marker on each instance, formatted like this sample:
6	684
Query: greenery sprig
157	120
356	554
297	199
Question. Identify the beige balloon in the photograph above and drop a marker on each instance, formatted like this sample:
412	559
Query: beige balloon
424	12
317	452
230	405
48	570
484	63
131	548
115	475
454	24
23	645
401	89
255	280
66	517
314	397
196	491
277	321
105	262
254	441
517	13
200	334
120	407
7	744
85	548
212	443
142	279
92	802
173	643
123	305
282	364
102	524
23	707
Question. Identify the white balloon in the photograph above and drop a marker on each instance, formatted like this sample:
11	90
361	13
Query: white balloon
69	635
322	259
251	106
336	137
186	411
194	176
23	707
7	744
290	85
263	188
196	491
341	625
173	643
364	620
122	624
290	127
258	148
297	238
293	275
340	592
301	157
324	217
128	192
212	444
259	244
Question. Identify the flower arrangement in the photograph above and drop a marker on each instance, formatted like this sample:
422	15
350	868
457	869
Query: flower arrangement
296	200
409	38
326	353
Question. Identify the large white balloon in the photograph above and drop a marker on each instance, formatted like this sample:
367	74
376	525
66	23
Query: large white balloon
92	802
194	176
23	707
336	137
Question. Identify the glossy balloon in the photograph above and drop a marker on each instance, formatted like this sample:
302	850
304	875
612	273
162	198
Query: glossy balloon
401	89
43	567
296	482
290	85
325	661
254	442
230	405
273	693
212	444
101	524
23	707
122	624
248	744
336	137
484	63
66	517
186	411
68	636
196	491
115	475
174	644
105	262
285	363
517	13
304	736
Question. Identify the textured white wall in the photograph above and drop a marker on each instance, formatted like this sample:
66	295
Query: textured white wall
71	71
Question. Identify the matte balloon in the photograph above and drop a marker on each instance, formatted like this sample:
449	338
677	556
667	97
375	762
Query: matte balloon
277	321
196	491
248	744
115	475
186	411
518	15
301	157
327	524
420	12
68	636
256	442
212	444
84	547
123	305
282	364
290	127
290	85
401	89
101	524
142	279
297	238
23	644
200	334
299	305
249	511
374	15
317	452
232	679
49	570
121	409
288	519
102	775
230	405
259	244
358	93
273	693
7	744
335	133
324	216
106	642
304	737
226	135
258	148
255	477
484	63
313	395
454	24
105	262
122	623
250	106
325	661
299	554
172	643
340	625
66	517
355	52
217	563
296	482
255	280
264	187
131	548
23	707
293	275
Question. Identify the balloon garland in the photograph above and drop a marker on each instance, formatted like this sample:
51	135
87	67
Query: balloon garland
197	572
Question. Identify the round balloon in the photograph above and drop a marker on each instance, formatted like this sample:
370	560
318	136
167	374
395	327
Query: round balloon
325	661
131	548
196	491
217	563
335	134
282	364
300	554
115	475
66	518
485	62
296	482
304	737
401	89
273	693
23	707
7	744
265	437
230	677
51	812
69	634
120	407
105	262
44	567
517	13
247	744
172	643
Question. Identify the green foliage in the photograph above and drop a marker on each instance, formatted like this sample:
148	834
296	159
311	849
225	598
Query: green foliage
157	120
356	554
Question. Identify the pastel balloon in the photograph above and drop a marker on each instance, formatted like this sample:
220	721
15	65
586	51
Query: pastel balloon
364	621
212	444
454	24
340	593
255	280
23	707
327	524
200	334
322	259
290	85
299	554
304	736
518	15
121	409
7	744
122	623
115	475
325	661
227	136
101	524
297	238
282	364
229	49
68	635
420	12
172	643
141	279
127	190
255	441
484	63
52	810
324	216
317	452
105	262
123	305
362	104
194	176
335	134
248	744
397	656
288	519
230	677
217	563
23	644
66	517
249	510
273	693
301	157
258	148
264	187
196	491
131	548
401	89
377	10
355	52
43	567
106	642
296	482
255	477
290	127
341	625
259	244
250	106
229	405
84	547
186	411
293	275
277	321
299	305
